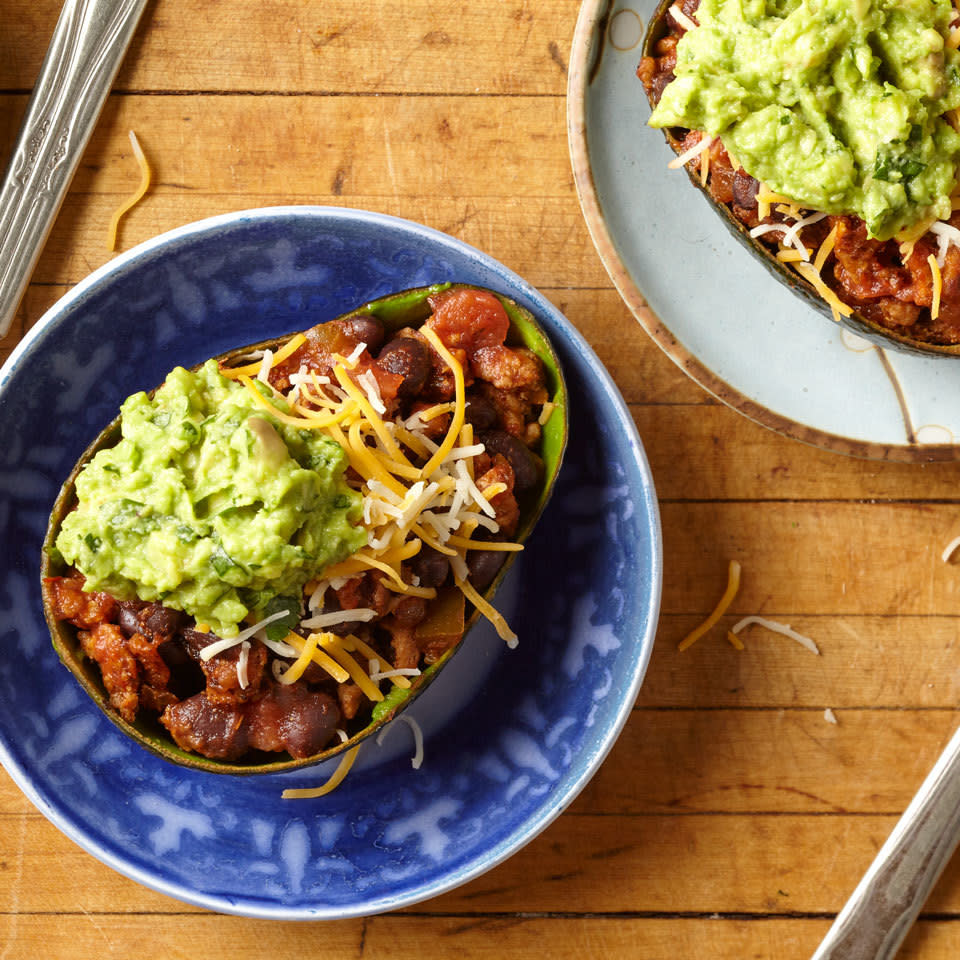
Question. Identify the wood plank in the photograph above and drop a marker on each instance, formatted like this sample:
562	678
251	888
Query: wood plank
344	146
581	864
789	761
393	936
710	452
893	662
811	558
645	938
70	937
341	46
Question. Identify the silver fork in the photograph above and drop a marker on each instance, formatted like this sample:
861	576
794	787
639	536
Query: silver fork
84	55
884	905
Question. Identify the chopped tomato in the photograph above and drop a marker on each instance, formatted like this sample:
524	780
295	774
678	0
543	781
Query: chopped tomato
469	319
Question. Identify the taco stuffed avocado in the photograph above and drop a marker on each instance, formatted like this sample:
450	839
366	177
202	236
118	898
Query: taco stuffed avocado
827	137
259	563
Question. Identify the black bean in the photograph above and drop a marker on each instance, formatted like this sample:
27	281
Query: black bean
659	84
745	190
128	620
186	676
527	466
162	621
407	358
430	566
410	611
364	329
481	413
483	566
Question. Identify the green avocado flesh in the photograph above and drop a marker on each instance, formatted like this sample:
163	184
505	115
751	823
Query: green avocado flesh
209	504
836	104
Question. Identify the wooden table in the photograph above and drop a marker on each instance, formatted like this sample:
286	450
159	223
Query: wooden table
731	820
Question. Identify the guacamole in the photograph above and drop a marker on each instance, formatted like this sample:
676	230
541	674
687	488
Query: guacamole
836	104
210	505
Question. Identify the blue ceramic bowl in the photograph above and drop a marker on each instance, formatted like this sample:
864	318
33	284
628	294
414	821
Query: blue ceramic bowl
511	736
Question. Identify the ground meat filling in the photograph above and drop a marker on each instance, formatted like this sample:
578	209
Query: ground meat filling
868	275
149	656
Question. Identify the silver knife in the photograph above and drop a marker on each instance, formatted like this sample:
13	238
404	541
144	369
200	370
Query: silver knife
85	52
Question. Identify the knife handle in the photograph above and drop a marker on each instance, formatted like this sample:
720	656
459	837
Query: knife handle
882	908
85	52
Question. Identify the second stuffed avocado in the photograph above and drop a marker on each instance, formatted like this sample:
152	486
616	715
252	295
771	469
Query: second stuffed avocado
824	135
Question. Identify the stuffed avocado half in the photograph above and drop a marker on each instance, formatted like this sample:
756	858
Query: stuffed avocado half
266	558
827	137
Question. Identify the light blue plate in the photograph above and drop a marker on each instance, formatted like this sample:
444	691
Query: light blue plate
707	302
511	736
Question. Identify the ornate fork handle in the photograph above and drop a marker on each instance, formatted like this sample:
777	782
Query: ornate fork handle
884	905
85	52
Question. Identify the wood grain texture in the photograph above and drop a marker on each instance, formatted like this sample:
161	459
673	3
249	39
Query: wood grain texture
730	821
412	46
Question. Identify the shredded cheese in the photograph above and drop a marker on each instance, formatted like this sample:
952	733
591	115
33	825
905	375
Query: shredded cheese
809	273
295	671
499	624
733	585
218	646
949	549
137	195
937	286
320	658
417	760
343	768
736	642
681	18
677	162
253	369
783	628
826	248
405	507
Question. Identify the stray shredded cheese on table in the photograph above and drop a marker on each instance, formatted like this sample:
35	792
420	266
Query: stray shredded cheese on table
733	585
949	549
783	628
137	196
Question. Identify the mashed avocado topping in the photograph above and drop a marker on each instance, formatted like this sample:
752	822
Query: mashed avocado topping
210	505
836	104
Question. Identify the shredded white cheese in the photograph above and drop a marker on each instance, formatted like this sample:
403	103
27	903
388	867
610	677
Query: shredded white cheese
242	662
266	363
323	620
947	235
783	628
417	759
949	549
355	354
218	646
372	389
681	18
677	162
829	716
